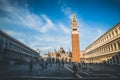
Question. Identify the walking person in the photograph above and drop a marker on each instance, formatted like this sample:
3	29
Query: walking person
74	68
42	65
79	65
46	64
59	63
62	63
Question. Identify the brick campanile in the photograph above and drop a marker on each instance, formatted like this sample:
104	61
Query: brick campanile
75	40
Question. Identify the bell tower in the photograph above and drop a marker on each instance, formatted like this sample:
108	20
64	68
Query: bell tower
75	40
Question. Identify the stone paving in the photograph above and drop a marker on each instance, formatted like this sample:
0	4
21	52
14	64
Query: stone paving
54	72
97	71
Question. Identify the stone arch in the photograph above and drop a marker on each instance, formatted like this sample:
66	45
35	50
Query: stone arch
114	46
103	49
109	35
116	32
112	34
118	43
118	29
106	37
108	48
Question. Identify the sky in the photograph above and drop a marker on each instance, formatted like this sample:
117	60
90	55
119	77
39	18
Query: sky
46	24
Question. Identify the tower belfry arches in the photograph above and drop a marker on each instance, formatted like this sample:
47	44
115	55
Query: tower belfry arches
75	40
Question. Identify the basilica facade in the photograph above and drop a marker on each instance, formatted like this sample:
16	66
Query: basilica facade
60	54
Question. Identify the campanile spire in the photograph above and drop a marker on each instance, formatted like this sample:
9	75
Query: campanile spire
75	40
74	18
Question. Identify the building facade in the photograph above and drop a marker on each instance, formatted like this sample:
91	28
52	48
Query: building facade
105	49
75	40
59	54
15	51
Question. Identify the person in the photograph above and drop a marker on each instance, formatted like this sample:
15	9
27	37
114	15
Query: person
74	68
46	64
62	62
79	65
42	65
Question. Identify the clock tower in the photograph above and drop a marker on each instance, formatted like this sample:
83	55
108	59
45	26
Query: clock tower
75	40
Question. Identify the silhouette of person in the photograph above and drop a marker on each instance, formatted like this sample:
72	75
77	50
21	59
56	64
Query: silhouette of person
74	68
42	65
62	62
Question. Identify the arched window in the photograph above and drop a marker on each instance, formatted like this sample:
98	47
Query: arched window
114	46
111	47
118	44
116	32
110	35
108	48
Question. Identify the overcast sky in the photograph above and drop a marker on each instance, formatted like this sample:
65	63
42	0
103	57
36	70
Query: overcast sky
46	24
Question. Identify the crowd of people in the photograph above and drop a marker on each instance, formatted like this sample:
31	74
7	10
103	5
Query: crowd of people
50	62
45	63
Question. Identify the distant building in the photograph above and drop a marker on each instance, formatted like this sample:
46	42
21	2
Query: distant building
38	51
59	54
12	50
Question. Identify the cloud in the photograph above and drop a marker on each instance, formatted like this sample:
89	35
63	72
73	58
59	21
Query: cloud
49	37
13	33
50	42
89	33
59	1
17	35
64	28
22	16
66	9
49	24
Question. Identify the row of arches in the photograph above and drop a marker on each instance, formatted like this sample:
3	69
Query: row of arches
111	47
106	59
110	35
108	48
